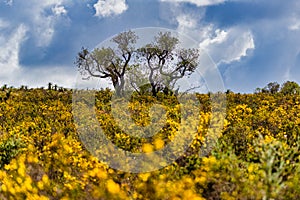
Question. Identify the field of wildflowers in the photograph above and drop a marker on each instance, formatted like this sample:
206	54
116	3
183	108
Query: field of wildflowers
256	155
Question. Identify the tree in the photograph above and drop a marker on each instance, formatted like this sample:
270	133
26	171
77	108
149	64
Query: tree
257	90
290	87
154	67
107	62
166	62
272	88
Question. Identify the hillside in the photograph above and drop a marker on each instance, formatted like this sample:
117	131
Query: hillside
256	156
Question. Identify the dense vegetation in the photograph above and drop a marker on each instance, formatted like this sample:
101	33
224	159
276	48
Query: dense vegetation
256	157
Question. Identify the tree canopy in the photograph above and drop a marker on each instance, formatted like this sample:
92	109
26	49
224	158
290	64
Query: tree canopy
290	87
154	67
287	88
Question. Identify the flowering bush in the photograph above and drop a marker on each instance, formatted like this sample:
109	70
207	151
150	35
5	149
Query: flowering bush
256	156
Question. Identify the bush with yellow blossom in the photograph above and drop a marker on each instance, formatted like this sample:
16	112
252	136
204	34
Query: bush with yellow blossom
256	156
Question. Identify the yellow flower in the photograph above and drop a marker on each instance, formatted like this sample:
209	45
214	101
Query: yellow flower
250	168
42	198
32	159
19	180
101	174
159	143
45	179
147	148
187	194
12	190
27	183
69	186
7	167
144	176
210	160
40	185
3	188
112	187
110	171
21	171
251	177
201	180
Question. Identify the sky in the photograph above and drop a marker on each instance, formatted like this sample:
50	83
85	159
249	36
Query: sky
251	42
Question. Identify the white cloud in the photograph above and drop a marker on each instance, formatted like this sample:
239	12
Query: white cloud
197	2
9	53
12	73
295	26
44	31
44	23
186	21
294	23
219	37
222	45
105	8
40	77
228	46
59	10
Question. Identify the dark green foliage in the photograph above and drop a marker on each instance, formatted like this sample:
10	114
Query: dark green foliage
9	149
290	87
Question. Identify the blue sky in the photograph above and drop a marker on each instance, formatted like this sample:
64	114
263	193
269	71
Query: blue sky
252	42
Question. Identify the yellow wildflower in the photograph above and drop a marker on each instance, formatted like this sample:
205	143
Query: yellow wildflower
112	187
159	143
147	148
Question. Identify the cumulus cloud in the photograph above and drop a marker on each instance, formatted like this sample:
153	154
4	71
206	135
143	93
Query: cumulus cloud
105	8
43	23
9	52
186	21
39	24
219	37
41	17
198	3
222	45
228	45
12	73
